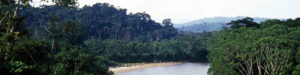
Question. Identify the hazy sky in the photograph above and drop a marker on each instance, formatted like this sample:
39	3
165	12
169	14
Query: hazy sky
186	10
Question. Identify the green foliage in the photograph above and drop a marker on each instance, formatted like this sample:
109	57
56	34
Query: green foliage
75	61
248	22
181	48
65	3
266	48
23	53
22	56
56	40
101	21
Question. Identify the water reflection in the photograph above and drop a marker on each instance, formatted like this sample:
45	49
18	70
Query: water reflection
180	69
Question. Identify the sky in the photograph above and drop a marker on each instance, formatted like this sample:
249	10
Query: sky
181	11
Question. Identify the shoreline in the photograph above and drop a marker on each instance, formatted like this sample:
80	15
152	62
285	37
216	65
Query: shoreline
138	66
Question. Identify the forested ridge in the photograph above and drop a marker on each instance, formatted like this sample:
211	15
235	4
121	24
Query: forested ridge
65	40
113	33
210	24
101	21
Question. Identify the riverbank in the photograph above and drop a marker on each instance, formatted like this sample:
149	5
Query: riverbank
137	66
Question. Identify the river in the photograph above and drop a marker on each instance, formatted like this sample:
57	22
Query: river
180	69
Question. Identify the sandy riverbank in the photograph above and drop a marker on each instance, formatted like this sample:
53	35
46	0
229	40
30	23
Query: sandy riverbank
138	66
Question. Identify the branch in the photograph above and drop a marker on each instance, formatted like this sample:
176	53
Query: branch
3	17
13	26
17	8
240	70
30	55
47	30
245	72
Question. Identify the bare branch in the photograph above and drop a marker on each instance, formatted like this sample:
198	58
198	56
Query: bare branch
4	17
47	30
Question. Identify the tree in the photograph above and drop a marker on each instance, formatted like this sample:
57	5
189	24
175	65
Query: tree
268	50
248	22
77	61
167	23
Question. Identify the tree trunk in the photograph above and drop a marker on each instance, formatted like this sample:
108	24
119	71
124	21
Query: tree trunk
13	26
53	45
259	70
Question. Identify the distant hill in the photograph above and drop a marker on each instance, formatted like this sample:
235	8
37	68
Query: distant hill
209	24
